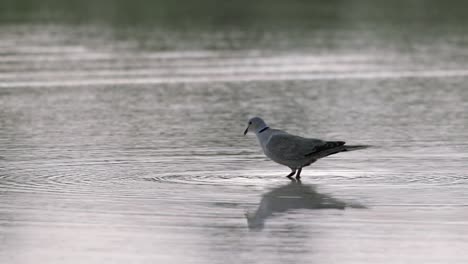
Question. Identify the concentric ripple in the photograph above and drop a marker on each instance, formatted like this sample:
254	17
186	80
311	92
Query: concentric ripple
229	180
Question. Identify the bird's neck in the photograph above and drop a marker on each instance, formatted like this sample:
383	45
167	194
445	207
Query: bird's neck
261	130
263	135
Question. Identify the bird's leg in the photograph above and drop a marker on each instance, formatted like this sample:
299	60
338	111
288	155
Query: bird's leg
298	175
291	174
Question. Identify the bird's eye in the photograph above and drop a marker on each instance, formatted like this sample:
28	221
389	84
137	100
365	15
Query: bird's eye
250	123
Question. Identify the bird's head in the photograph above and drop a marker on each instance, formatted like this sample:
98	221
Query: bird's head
256	124
253	222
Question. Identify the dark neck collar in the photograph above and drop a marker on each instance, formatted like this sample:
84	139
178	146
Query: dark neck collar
263	129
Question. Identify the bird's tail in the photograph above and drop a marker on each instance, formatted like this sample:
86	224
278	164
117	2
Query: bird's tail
355	147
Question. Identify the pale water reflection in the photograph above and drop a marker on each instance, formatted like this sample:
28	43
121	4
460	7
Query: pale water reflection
293	196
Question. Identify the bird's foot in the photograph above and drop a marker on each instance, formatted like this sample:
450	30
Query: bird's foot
298	178
294	179
290	175
298	175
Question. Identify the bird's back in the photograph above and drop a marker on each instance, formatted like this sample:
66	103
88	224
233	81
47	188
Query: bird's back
287	149
295	151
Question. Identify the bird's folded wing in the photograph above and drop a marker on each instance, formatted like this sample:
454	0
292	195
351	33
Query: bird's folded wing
327	148
290	147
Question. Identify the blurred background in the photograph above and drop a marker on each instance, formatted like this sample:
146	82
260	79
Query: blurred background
168	25
121	131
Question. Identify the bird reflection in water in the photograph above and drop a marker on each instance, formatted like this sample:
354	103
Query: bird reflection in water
294	195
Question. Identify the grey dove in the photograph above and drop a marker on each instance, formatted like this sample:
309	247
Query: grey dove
294	151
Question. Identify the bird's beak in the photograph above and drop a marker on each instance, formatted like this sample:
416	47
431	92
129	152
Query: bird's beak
246	130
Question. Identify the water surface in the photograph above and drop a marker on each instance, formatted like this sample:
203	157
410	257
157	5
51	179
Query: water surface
121	139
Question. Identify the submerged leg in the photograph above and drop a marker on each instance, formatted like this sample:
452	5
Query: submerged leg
291	174
298	175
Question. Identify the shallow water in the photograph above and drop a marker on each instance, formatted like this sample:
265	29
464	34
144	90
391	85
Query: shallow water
117	149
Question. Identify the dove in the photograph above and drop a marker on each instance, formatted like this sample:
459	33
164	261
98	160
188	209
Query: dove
294	151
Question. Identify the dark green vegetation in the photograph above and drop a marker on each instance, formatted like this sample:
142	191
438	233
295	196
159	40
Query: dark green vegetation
242	13
245	24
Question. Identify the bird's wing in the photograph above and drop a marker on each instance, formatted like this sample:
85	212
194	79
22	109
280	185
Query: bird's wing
290	147
328	148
